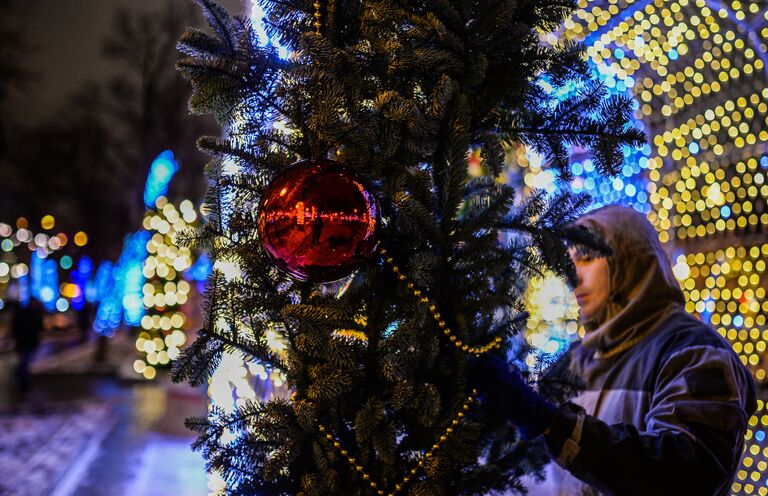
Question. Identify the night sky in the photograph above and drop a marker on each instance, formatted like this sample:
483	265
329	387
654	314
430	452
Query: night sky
64	39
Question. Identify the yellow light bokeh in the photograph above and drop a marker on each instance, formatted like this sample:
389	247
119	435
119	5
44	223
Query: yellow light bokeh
80	238
47	222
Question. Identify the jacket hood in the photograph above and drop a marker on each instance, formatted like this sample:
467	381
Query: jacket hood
643	288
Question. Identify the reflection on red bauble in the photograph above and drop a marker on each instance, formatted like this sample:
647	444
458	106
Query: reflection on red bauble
317	221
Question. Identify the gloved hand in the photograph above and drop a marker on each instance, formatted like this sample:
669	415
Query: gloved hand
506	389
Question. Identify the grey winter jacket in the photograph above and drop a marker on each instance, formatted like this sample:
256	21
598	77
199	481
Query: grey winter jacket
666	417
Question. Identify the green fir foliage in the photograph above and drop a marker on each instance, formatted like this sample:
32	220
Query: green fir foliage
403	89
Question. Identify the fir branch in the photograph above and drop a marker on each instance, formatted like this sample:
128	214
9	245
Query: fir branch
220	22
572	122
417	219
545	220
198	361
197	43
455	171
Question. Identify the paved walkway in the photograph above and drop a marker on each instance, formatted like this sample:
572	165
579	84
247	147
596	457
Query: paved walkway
93	432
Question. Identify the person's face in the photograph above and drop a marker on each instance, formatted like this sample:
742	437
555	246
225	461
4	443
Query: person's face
594	286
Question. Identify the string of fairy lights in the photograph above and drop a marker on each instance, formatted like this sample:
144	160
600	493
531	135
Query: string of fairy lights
238	379
165	291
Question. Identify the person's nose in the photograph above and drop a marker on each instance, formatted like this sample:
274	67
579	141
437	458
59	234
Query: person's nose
579	275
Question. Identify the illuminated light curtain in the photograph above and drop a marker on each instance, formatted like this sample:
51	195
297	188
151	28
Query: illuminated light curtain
750	478
697	69
161	172
80	277
123	301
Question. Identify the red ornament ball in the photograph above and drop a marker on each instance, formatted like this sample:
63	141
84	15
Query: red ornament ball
317	221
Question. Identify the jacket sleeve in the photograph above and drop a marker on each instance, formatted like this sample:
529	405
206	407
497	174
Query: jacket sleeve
695	427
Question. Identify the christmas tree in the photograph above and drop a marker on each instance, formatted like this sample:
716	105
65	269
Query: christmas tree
398	92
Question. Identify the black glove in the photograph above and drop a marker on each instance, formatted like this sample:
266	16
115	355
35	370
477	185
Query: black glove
505	388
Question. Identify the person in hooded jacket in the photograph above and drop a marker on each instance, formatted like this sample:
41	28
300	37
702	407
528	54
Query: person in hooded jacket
666	402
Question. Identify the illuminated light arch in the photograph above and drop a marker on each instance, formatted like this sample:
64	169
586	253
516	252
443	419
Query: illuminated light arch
703	99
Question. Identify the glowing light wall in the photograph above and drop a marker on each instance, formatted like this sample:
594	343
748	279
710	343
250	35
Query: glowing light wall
697	71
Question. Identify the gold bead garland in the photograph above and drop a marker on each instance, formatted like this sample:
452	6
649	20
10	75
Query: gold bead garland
475	350
419	465
318	24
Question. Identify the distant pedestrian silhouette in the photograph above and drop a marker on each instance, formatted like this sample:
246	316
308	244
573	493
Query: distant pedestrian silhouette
26	328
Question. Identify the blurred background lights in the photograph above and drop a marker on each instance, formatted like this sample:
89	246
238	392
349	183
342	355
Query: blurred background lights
160	174
80	239
164	290
47	222
697	72
65	262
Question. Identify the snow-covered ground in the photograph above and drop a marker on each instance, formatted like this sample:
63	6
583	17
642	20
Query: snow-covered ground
93	433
